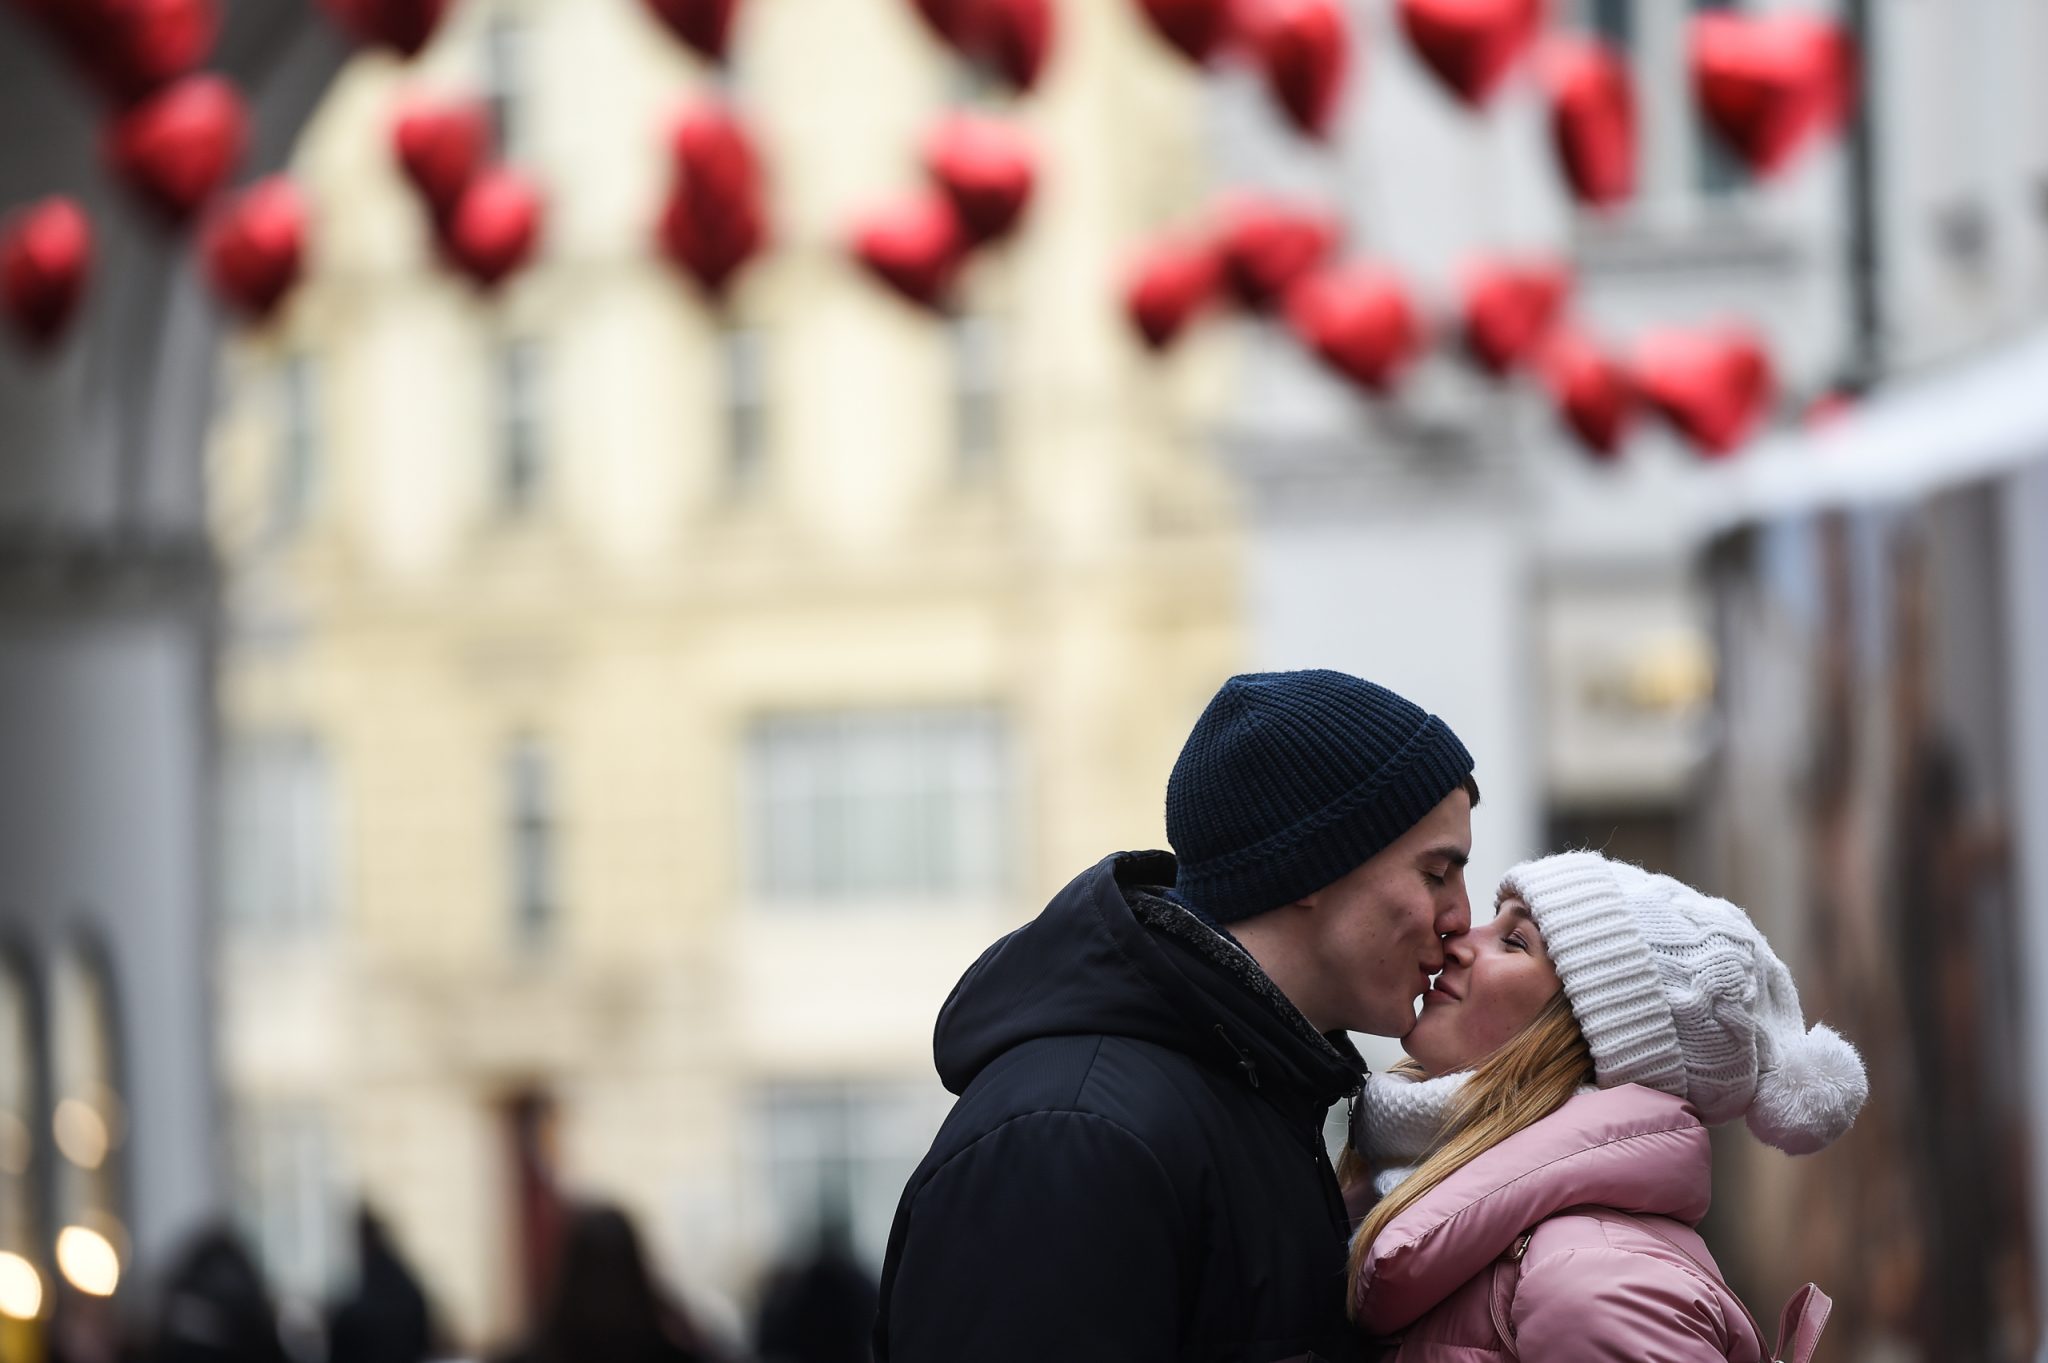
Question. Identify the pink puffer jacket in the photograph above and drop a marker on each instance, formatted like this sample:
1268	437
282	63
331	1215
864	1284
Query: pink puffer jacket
1570	1242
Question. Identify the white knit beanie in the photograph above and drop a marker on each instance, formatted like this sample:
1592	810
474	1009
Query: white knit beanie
1678	991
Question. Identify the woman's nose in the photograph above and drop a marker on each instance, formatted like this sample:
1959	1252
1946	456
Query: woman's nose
1458	948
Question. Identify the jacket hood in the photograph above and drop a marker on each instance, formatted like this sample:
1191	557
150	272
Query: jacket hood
1630	1148
1110	956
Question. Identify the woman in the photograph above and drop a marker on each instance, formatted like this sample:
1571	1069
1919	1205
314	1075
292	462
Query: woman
1542	1157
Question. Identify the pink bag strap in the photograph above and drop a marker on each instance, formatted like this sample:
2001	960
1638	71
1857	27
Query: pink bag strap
1800	1324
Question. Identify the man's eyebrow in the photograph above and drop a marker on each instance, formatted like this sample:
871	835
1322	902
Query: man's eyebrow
1456	856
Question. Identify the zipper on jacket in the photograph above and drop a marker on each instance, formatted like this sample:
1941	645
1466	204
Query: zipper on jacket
1521	1246
1244	1061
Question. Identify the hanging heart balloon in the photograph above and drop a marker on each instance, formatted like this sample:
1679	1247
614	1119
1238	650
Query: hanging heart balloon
1508	308
1302	48
1169	284
986	168
1592	119
951	21
705	26
130	48
495	227
1013	38
178	146
915	246
1267	244
715	220
1471	45
1769	86
254	247
45	260
1713	384
1359	321
1591	390
404	26
441	146
1198	29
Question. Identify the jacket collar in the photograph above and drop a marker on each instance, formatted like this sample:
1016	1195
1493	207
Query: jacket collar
1629	1148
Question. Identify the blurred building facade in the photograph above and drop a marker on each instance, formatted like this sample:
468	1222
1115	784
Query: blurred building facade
637	713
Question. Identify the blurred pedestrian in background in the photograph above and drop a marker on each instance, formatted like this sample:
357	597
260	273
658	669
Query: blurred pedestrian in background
605	1306
386	1319
216	1308
820	1308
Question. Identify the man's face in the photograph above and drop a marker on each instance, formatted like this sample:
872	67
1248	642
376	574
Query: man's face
1379	931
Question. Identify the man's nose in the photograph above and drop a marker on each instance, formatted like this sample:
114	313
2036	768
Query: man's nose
1458	949
1455	917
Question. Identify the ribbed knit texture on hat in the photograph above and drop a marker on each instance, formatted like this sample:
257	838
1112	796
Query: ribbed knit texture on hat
1290	780
1678	991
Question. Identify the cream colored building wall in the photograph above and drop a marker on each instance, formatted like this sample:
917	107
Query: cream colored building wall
643	613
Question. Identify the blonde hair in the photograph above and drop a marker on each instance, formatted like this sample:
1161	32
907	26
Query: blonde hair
1517	1086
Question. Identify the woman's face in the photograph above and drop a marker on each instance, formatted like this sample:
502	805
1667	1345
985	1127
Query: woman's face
1496	979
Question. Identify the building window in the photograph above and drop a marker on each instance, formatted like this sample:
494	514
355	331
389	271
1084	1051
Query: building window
521	457
530	839
838	1154
1717	171
289	1199
879	805
977	395
278	835
298	446
506	46
746	406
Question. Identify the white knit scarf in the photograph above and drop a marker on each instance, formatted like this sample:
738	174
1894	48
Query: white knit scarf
1399	1120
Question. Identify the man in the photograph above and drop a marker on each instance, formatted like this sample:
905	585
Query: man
1135	1169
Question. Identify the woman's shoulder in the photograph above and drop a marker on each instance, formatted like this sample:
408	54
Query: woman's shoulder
1592	1274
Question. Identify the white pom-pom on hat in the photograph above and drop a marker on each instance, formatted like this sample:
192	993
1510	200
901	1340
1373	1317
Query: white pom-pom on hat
1813	1093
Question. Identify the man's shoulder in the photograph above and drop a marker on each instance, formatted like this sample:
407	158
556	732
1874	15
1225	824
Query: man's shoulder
1158	1097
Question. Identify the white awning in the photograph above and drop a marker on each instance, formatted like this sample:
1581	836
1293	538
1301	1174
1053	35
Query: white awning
1958	424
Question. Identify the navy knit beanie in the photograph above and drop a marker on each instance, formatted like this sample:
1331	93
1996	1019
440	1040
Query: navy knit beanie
1291	780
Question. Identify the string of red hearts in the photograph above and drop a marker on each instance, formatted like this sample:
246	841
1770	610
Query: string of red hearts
1769	86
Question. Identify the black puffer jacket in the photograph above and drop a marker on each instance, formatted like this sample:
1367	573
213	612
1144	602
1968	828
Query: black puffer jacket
1135	1169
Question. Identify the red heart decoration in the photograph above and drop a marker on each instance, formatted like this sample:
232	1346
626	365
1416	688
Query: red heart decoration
1592	119
711	242
1169	284
703	25
1198	28
987	169
914	246
714	153
1509	308
1267	244
714	221
404	26
1769	85
951	21
1593	392
255	246
1303	48
45	258
1359	321
441	145
1713	384
1014	37
131	47
181	144
495	227
1471	44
